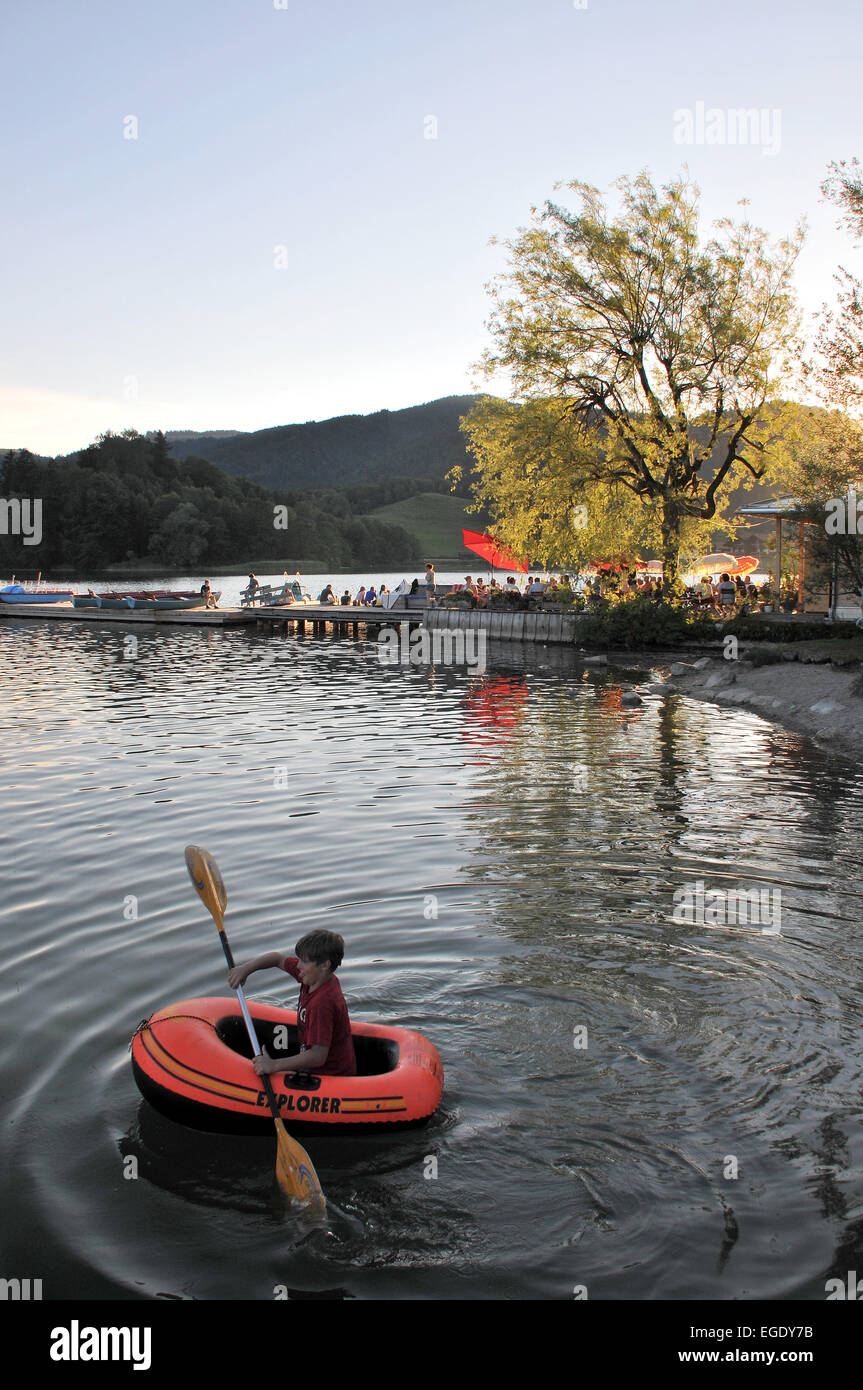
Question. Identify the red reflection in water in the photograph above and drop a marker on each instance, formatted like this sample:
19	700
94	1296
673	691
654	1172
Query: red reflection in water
494	708
610	702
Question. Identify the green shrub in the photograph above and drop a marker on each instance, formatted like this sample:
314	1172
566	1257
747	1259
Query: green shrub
644	622
509	599
757	630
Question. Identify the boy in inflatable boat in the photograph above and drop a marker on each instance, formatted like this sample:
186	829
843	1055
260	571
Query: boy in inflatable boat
326	1045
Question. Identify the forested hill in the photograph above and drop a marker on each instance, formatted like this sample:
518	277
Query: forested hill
126	500
423	441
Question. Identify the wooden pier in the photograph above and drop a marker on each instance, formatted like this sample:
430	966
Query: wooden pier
300	617
195	617
496	623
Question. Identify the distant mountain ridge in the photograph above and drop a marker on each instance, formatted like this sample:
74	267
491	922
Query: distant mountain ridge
421	441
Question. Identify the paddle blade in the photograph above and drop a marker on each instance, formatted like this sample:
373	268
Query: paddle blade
207	878
295	1171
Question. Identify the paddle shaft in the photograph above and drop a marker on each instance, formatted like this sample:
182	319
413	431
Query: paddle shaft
253	1037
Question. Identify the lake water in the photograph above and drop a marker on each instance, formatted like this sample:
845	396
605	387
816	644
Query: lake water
636	1106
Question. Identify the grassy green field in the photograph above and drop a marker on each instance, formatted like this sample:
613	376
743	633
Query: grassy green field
436	519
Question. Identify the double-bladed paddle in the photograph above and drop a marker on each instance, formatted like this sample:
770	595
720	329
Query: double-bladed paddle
294	1169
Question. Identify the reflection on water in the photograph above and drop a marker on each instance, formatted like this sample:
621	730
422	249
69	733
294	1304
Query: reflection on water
650	1108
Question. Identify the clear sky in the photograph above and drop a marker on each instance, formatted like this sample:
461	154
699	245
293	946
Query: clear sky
247	213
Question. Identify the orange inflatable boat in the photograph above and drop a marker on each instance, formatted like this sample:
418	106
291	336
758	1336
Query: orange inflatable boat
192	1061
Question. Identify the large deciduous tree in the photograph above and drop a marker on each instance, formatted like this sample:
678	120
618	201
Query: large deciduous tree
650	364
839	373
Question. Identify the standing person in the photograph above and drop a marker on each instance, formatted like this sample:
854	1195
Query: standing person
252	589
430	582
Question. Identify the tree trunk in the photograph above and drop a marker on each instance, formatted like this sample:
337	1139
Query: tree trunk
671	582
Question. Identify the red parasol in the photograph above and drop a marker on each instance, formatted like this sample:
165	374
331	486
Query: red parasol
488	548
745	565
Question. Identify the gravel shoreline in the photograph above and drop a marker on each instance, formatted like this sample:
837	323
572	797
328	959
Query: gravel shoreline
820	700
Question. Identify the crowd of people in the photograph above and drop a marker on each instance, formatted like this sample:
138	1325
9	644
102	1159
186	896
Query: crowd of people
707	595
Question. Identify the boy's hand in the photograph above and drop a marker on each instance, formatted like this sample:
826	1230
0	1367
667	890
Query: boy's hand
264	1064
238	976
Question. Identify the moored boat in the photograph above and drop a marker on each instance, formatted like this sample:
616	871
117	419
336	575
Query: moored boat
19	593
154	599
101	601
192	1061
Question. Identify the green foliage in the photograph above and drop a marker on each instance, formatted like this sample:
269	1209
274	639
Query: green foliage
644	622
839	372
124	498
436	520
623	337
751	629
422	442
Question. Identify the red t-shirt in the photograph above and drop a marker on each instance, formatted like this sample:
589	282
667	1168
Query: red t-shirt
322	1020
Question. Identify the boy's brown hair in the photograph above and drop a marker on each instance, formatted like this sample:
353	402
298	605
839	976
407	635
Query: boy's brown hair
318	946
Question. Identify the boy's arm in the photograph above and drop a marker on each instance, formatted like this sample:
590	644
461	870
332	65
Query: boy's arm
271	960
303	1061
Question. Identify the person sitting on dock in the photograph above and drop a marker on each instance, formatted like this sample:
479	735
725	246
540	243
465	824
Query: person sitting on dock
207	594
470	588
371	597
323	1023
347	602
360	596
534	591
705	592
726	592
327	595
